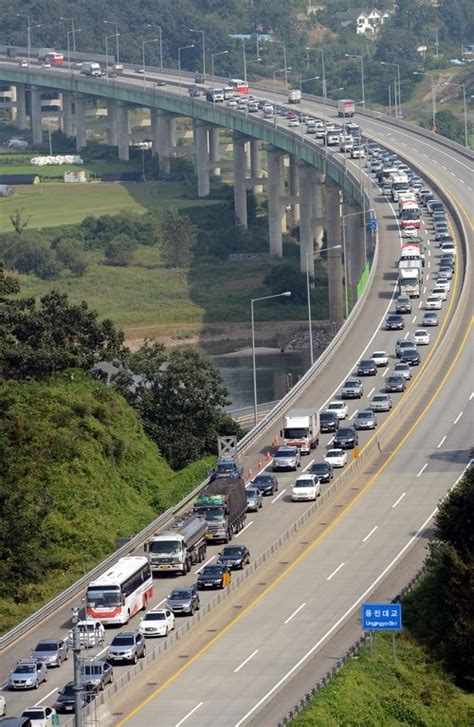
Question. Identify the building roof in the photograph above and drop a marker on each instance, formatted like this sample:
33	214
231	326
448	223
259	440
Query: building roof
351	15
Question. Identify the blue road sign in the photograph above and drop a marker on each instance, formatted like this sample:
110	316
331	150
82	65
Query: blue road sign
373	224
381	616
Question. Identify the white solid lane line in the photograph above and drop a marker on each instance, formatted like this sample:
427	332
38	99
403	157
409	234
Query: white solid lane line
159	604
406	335
308	465
102	651
370	534
422	469
46	696
442	442
399	500
204	565
244	529
278	496
427	276
189	714
414	318
335	571
458	417
246	661
294	613
353	415
471	397
371	392
385	373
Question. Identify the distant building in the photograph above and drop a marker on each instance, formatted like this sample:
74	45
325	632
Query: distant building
365	22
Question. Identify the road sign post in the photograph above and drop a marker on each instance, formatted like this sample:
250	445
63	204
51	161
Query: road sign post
382	617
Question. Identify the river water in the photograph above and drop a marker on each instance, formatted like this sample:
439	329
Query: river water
275	371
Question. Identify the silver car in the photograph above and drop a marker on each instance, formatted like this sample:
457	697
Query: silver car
97	673
286	458
51	652
381	402
28	674
254	499
365	419
127	646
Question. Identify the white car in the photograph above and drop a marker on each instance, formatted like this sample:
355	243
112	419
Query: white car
380	358
432	303
3	706
442	282
403	370
410	232
157	622
338	407
306	487
91	633
448	247
421	337
232	103
439	292
293	122
336	457
40	716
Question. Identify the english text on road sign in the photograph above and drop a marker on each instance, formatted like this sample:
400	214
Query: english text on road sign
381	616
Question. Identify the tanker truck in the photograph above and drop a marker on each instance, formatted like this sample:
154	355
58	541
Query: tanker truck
180	546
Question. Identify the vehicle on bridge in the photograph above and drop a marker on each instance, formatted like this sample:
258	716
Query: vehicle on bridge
301	429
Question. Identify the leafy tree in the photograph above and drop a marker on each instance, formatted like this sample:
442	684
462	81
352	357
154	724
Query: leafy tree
286	276
448	125
38	339
32	255
120	251
178	236
72	256
179	395
19	221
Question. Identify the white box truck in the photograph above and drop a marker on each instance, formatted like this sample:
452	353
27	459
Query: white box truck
294	96
345	107
409	282
91	68
301	429
180	546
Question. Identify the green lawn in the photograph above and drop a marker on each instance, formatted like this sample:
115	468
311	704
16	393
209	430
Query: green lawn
90	168
54	204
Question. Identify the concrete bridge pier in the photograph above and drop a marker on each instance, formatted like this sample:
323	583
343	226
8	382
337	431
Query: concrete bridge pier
293	190
333	227
162	139
14	102
255	164
240	185
202	158
67	114
275	207
123	136
355	247
112	138
81	134
214	150
318	210
21	106
35	115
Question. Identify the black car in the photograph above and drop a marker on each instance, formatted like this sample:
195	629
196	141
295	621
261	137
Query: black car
411	357
394	323
346	438
322	470
366	367
65	701
328	421
214	576
234	556
266	483
394	384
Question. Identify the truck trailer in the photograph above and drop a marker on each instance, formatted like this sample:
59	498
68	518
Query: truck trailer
91	68
223	504
180	546
345	107
301	429
409	282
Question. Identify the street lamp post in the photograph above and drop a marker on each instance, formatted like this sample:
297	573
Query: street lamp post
159	28
112	35
28	34
361	58
308	294
398	109
433	97
192	30
73	31
252	301
302	82
308	51
214	55
144	42
183	47
463	86
279	70
117	35
286	69
247	63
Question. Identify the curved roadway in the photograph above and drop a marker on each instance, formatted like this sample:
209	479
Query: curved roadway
250	659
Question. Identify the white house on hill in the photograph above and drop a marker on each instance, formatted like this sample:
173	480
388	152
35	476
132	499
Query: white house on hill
365	22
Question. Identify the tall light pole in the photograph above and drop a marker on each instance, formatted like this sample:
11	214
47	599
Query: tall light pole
192	30
433	97
77	686
463	86
308	51
308	294
214	55
183	47
286	69
149	25
112	35
252	301
361	58
247	63
398	108
144	43
279	70
117	35
28	35
302	82
73	31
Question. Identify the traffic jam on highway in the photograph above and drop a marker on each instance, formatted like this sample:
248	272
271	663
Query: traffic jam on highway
144	595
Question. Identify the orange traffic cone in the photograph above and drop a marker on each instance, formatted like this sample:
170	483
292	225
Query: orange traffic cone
250	474
268	456
260	465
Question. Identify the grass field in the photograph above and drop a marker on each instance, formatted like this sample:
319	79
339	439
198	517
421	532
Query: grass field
90	168
376	692
54	204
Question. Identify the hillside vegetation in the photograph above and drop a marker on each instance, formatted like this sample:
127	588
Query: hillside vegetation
76	473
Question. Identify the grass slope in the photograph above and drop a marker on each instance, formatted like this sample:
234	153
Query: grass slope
80	442
375	692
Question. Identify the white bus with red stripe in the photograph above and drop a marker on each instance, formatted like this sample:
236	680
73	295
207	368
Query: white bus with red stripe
410	214
121	592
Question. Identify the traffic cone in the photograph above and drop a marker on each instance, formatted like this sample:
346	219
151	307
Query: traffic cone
268	456
250	474
260	465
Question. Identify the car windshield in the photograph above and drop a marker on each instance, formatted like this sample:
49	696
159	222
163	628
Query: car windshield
351	384
233	551
319	468
103	597
168	547
33	713
365	415
295	432
211	570
47	646
214	516
251	493
334	453
180	595
263	479
285	452
326	416
336	405
379	398
158	616
68	691
25	669
123	641
304	483
92	670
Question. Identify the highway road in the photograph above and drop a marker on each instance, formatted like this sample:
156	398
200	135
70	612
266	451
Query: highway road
278	514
